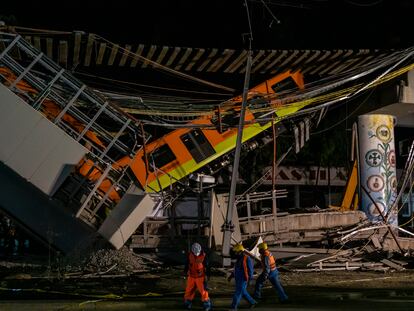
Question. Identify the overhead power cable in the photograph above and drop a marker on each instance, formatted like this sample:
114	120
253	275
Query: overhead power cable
128	53
150	86
325	100
165	68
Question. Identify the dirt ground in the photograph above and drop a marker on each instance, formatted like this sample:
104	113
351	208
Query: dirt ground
337	290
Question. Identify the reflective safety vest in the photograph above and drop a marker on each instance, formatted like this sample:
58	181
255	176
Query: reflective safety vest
196	267
241	268
272	260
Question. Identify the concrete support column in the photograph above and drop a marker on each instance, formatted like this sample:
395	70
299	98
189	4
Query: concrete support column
377	165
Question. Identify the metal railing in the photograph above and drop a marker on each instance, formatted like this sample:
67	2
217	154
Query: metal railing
107	132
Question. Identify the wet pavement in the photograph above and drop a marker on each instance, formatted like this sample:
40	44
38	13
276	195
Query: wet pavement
301	299
164	291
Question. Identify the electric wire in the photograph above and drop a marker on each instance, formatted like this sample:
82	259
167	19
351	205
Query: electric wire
290	99
157	66
347	116
150	86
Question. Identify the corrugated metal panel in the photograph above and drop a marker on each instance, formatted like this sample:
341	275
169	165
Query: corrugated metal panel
101	52
197	60
213	52
125	55
183	58
236	63
114	51
173	56
63	53
138	52
149	55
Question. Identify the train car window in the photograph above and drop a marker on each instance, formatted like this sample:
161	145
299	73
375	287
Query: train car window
284	85
160	157
198	145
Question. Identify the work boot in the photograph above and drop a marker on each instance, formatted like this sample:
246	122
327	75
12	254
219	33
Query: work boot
256	297
207	305
188	304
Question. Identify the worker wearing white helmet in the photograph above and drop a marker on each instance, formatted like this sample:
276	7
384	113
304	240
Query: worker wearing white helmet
197	271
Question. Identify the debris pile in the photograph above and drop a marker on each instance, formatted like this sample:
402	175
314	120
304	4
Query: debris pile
109	262
358	258
372	248
114	261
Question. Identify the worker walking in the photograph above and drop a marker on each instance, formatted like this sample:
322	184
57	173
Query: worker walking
269	272
197	270
243	274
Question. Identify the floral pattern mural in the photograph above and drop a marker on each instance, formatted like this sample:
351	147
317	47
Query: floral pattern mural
377	166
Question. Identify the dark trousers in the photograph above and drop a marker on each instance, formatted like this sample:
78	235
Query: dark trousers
241	291
273	277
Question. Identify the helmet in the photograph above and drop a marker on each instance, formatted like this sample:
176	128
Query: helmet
196	249
238	248
262	246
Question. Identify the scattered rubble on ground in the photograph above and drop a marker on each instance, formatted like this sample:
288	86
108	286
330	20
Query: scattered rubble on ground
364	247
109	262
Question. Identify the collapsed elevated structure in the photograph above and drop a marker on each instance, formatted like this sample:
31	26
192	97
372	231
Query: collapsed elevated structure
60	142
74	166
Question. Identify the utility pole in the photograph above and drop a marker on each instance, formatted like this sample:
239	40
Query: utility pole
228	226
274	207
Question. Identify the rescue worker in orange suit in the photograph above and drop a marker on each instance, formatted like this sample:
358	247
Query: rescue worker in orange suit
270	273
243	275
197	270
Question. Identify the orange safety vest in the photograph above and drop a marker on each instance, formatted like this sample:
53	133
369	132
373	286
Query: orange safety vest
245	269
196	267
272	260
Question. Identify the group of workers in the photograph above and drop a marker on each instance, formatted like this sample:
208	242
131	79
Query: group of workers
198	273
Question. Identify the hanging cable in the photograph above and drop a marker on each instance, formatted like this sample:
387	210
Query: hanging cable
165	68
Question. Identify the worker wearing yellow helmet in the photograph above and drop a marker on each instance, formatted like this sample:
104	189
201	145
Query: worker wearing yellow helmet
243	273
270	273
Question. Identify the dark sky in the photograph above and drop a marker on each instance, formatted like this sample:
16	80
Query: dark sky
314	24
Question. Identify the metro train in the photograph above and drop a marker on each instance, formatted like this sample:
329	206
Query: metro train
176	155
184	151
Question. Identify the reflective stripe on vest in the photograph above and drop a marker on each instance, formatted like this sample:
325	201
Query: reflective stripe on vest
272	261
246	270
196	267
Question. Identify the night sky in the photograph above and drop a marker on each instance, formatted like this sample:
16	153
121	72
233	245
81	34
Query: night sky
304	24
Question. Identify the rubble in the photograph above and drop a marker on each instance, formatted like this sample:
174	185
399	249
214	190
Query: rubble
122	262
363	248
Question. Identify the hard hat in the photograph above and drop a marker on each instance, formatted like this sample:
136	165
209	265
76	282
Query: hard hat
262	246
196	249
238	248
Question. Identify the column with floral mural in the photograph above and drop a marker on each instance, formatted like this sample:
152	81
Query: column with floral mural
377	166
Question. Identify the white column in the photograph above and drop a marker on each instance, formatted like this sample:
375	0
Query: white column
377	165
